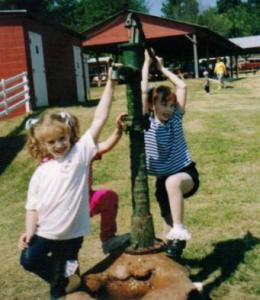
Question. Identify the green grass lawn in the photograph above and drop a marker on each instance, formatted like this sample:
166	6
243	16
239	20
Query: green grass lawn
223	132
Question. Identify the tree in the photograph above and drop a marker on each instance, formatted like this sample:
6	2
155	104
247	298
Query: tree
60	11
65	12
254	11
216	22
183	10
224	5
75	14
30	5
94	11
233	18
243	21
254	4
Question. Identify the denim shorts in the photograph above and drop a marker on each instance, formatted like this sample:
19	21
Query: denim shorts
161	192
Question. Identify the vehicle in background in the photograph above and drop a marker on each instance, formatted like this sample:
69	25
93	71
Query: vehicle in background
98	69
251	63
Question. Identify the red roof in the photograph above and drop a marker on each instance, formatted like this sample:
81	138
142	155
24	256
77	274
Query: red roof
168	37
114	31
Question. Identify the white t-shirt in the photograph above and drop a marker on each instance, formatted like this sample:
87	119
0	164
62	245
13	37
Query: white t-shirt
58	191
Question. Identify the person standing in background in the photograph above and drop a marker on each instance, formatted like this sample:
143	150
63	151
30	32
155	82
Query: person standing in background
220	71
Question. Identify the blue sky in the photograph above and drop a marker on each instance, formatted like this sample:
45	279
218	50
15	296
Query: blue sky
155	5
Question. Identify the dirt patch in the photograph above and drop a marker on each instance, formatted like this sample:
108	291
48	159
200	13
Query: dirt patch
146	277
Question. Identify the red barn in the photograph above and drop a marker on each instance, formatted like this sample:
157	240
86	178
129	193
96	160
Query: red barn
50	54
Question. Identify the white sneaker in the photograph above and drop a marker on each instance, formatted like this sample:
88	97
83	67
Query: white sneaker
71	267
179	233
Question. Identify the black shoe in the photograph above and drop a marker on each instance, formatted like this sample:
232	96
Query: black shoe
175	248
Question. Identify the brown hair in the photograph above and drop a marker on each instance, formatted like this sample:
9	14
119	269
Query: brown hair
165	91
51	121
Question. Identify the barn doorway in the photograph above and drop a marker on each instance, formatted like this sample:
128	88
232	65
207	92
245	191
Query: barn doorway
38	69
79	73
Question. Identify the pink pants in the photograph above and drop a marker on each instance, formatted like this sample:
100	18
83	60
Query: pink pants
105	203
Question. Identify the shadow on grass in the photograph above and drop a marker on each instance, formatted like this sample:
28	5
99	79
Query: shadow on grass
226	257
13	143
91	103
234	79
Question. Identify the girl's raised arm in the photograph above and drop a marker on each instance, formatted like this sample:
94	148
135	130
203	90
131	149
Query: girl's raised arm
144	82
103	108
181	88
114	138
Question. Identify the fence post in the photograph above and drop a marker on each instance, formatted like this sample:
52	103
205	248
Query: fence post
4	96
26	95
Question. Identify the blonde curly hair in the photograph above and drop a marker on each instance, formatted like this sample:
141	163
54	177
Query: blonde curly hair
64	122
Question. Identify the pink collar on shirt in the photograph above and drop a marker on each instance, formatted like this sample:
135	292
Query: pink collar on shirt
45	159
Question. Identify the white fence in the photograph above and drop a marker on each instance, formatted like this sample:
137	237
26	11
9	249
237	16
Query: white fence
14	93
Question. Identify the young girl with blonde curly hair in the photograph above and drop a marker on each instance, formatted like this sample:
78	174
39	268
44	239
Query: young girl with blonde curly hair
57	217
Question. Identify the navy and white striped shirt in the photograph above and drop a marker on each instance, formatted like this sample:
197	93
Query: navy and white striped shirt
165	146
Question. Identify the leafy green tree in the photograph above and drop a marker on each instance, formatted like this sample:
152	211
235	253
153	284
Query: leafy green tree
224	5
233	18
255	4
59	11
182	10
217	22
65	12
30	5
94	11
75	14
254	10
241	21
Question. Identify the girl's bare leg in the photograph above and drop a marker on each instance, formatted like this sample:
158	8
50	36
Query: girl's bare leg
177	185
